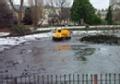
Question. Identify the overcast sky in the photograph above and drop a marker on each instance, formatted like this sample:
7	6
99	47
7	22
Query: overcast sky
99	4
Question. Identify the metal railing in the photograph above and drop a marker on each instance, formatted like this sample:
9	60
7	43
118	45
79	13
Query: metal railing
82	28
62	79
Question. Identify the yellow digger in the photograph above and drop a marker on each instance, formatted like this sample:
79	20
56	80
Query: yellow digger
61	34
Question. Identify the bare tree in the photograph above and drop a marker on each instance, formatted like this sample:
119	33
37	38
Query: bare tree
61	3
62	6
59	9
6	15
19	11
51	4
52	13
37	11
64	9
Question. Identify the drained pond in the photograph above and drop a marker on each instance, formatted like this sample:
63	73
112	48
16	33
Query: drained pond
44	56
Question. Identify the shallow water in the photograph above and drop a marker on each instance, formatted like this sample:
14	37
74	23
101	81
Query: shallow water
45	56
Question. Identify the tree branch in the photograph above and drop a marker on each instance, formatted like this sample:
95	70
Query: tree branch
21	5
12	5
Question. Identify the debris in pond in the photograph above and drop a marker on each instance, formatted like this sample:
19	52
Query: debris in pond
82	53
81	58
107	39
4	71
25	73
85	52
78	47
11	63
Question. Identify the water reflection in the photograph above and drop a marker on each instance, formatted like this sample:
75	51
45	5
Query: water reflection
62	47
77	47
79	51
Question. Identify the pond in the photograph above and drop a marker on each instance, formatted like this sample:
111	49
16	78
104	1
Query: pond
43	56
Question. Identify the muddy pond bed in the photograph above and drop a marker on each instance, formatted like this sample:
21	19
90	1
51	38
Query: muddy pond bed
99	39
90	54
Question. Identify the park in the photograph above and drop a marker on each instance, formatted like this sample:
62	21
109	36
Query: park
87	54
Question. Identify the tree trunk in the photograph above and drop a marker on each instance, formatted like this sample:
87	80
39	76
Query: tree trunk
19	11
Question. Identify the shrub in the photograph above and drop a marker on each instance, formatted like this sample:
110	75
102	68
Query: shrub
27	20
20	30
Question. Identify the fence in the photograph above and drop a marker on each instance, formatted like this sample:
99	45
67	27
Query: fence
82	28
62	79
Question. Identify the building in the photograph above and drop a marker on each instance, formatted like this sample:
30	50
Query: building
113	2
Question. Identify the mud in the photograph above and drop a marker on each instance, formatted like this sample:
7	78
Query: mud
99	39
